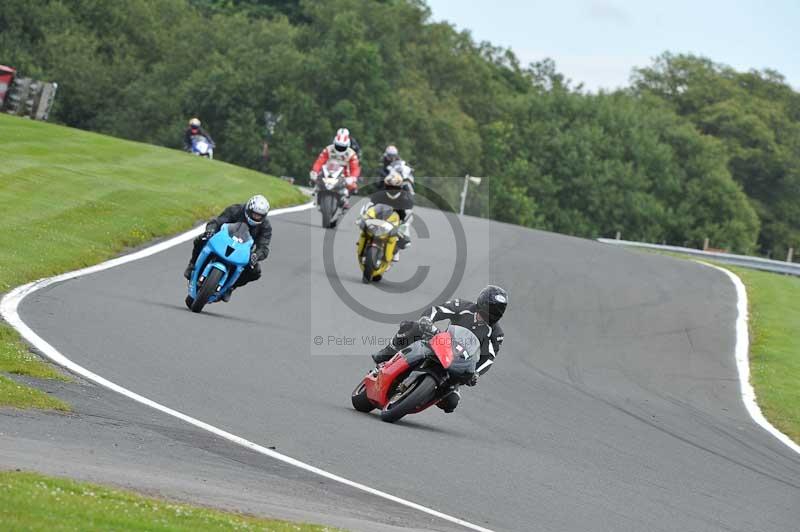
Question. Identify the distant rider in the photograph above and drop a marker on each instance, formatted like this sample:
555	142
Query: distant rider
481	318
254	212
396	195
195	129
390	155
392	161
342	152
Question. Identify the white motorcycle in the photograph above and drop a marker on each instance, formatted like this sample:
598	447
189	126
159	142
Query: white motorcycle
202	146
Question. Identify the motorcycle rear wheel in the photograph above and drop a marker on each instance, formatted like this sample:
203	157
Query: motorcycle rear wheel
360	400
207	289
418	394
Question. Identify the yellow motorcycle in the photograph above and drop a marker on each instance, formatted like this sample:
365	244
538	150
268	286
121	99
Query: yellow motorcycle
376	245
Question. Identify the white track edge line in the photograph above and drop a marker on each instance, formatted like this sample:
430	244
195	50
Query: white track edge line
743	360
9	310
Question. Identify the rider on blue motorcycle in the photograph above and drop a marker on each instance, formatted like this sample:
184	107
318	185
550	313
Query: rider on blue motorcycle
254	212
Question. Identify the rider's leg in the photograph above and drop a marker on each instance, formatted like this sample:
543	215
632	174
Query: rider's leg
407	334
199	242
249	274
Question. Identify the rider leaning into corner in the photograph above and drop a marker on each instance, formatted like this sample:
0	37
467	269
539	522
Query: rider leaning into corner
481	318
341	151
254	213
195	128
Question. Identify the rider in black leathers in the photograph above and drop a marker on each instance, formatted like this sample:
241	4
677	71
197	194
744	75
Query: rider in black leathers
481	318
398	197
254	213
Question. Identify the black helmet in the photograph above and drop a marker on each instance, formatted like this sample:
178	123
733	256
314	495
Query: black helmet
492	303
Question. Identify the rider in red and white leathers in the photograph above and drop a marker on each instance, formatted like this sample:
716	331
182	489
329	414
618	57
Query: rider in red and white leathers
342	152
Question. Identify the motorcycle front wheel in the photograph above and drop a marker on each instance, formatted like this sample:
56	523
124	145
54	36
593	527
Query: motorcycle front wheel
360	400
409	400
371	259
327	206
207	289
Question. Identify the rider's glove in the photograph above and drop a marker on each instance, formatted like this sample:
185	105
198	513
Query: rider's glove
473	380
209	233
312	175
426	327
253	259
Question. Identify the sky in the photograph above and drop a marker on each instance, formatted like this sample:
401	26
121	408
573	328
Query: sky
598	42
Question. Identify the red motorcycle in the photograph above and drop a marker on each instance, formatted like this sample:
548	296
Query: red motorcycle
420	375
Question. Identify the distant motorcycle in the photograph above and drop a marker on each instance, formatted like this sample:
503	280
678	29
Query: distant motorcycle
378	240
404	171
202	146
219	265
420	375
330	191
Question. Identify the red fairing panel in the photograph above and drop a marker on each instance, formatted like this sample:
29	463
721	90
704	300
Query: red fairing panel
442	345
378	386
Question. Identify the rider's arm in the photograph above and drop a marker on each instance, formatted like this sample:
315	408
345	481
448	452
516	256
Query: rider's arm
262	242
322	159
355	167
446	310
206	135
230	214
489	349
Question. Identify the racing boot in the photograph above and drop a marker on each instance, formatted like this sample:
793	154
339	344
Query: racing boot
384	354
226	296
449	402
188	271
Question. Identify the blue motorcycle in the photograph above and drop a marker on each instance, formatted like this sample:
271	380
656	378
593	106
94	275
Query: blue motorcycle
219	265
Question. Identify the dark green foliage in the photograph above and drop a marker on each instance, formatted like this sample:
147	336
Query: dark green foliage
757	117
644	162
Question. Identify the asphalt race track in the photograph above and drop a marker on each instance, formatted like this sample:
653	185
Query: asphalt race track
614	403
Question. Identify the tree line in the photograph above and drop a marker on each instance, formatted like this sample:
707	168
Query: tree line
691	150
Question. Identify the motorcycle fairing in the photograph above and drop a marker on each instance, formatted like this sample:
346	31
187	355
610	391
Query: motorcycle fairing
230	246
379	383
387	241
442	345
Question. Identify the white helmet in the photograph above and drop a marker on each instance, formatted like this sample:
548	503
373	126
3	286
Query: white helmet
394	179
256	209
194	122
342	139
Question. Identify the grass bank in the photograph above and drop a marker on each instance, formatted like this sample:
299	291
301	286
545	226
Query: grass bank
71	199
29	501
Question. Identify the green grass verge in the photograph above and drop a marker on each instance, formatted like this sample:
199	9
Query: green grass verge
29	501
774	308
71	199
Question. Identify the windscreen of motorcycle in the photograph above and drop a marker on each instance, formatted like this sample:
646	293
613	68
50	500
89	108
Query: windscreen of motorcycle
382	211
466	351
333	169
239	232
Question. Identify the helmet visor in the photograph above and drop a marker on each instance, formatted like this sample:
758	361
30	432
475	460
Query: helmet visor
255	216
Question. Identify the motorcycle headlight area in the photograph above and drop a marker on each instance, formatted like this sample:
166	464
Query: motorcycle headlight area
378	227
330	182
